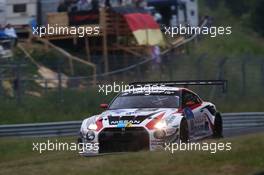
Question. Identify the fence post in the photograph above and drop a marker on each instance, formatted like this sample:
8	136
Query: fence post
171	72
1	88
60	84
138	73
219	76
46	86
199	65
243	70
17	83
262	72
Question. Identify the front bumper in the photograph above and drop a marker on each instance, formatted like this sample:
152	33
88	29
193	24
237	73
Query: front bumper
123	139
130	139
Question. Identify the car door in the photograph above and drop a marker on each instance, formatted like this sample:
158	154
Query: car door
192	106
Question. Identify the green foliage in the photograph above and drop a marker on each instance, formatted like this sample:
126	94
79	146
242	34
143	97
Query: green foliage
202	63
257	17
238	7
72	105
249	13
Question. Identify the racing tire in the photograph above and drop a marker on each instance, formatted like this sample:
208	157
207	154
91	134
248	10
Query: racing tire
218	126
184	131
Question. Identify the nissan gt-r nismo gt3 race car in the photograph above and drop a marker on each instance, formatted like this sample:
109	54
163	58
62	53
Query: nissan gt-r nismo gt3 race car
138	119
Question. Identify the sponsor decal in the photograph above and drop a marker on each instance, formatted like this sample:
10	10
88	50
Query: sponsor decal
120	122
188	113
123	124
119	111
189	116
133	119
146	110
156	142
198	128
131	113
171	131
170	119
206	126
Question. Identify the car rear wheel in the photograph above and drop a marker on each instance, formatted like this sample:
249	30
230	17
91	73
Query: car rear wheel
218	126
184	132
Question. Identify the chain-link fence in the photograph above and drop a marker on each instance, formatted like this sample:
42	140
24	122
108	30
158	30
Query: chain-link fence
244	73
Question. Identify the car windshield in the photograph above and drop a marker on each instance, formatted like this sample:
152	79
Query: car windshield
145	101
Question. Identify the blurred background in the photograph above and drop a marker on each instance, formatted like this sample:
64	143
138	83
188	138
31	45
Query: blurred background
61	73
55	78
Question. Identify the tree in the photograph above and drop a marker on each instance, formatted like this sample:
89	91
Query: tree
238	7
257	17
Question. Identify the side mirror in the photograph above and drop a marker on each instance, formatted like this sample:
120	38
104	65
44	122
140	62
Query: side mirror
104	106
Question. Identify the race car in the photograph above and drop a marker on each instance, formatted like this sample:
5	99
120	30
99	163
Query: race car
150	115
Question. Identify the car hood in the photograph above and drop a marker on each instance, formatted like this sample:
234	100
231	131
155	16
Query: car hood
137	112
136	117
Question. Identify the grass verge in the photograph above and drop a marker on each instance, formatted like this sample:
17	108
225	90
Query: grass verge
246	157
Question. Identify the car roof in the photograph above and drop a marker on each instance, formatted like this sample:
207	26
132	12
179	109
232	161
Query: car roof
153	88
159	88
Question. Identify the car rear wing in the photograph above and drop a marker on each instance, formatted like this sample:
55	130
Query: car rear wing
184	83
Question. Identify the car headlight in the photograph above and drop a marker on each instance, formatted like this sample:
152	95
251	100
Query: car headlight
90	135
159	134
92	126
161	124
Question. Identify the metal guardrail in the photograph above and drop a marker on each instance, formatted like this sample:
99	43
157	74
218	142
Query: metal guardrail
71	128
68	128
243	120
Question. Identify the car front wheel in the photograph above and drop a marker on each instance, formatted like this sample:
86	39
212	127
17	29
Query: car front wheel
184	132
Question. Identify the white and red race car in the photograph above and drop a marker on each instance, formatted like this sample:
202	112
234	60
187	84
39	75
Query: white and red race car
151	114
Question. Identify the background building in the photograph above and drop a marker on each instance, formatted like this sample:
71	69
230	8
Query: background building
191	11
176	12
46	6
20	12
2	12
